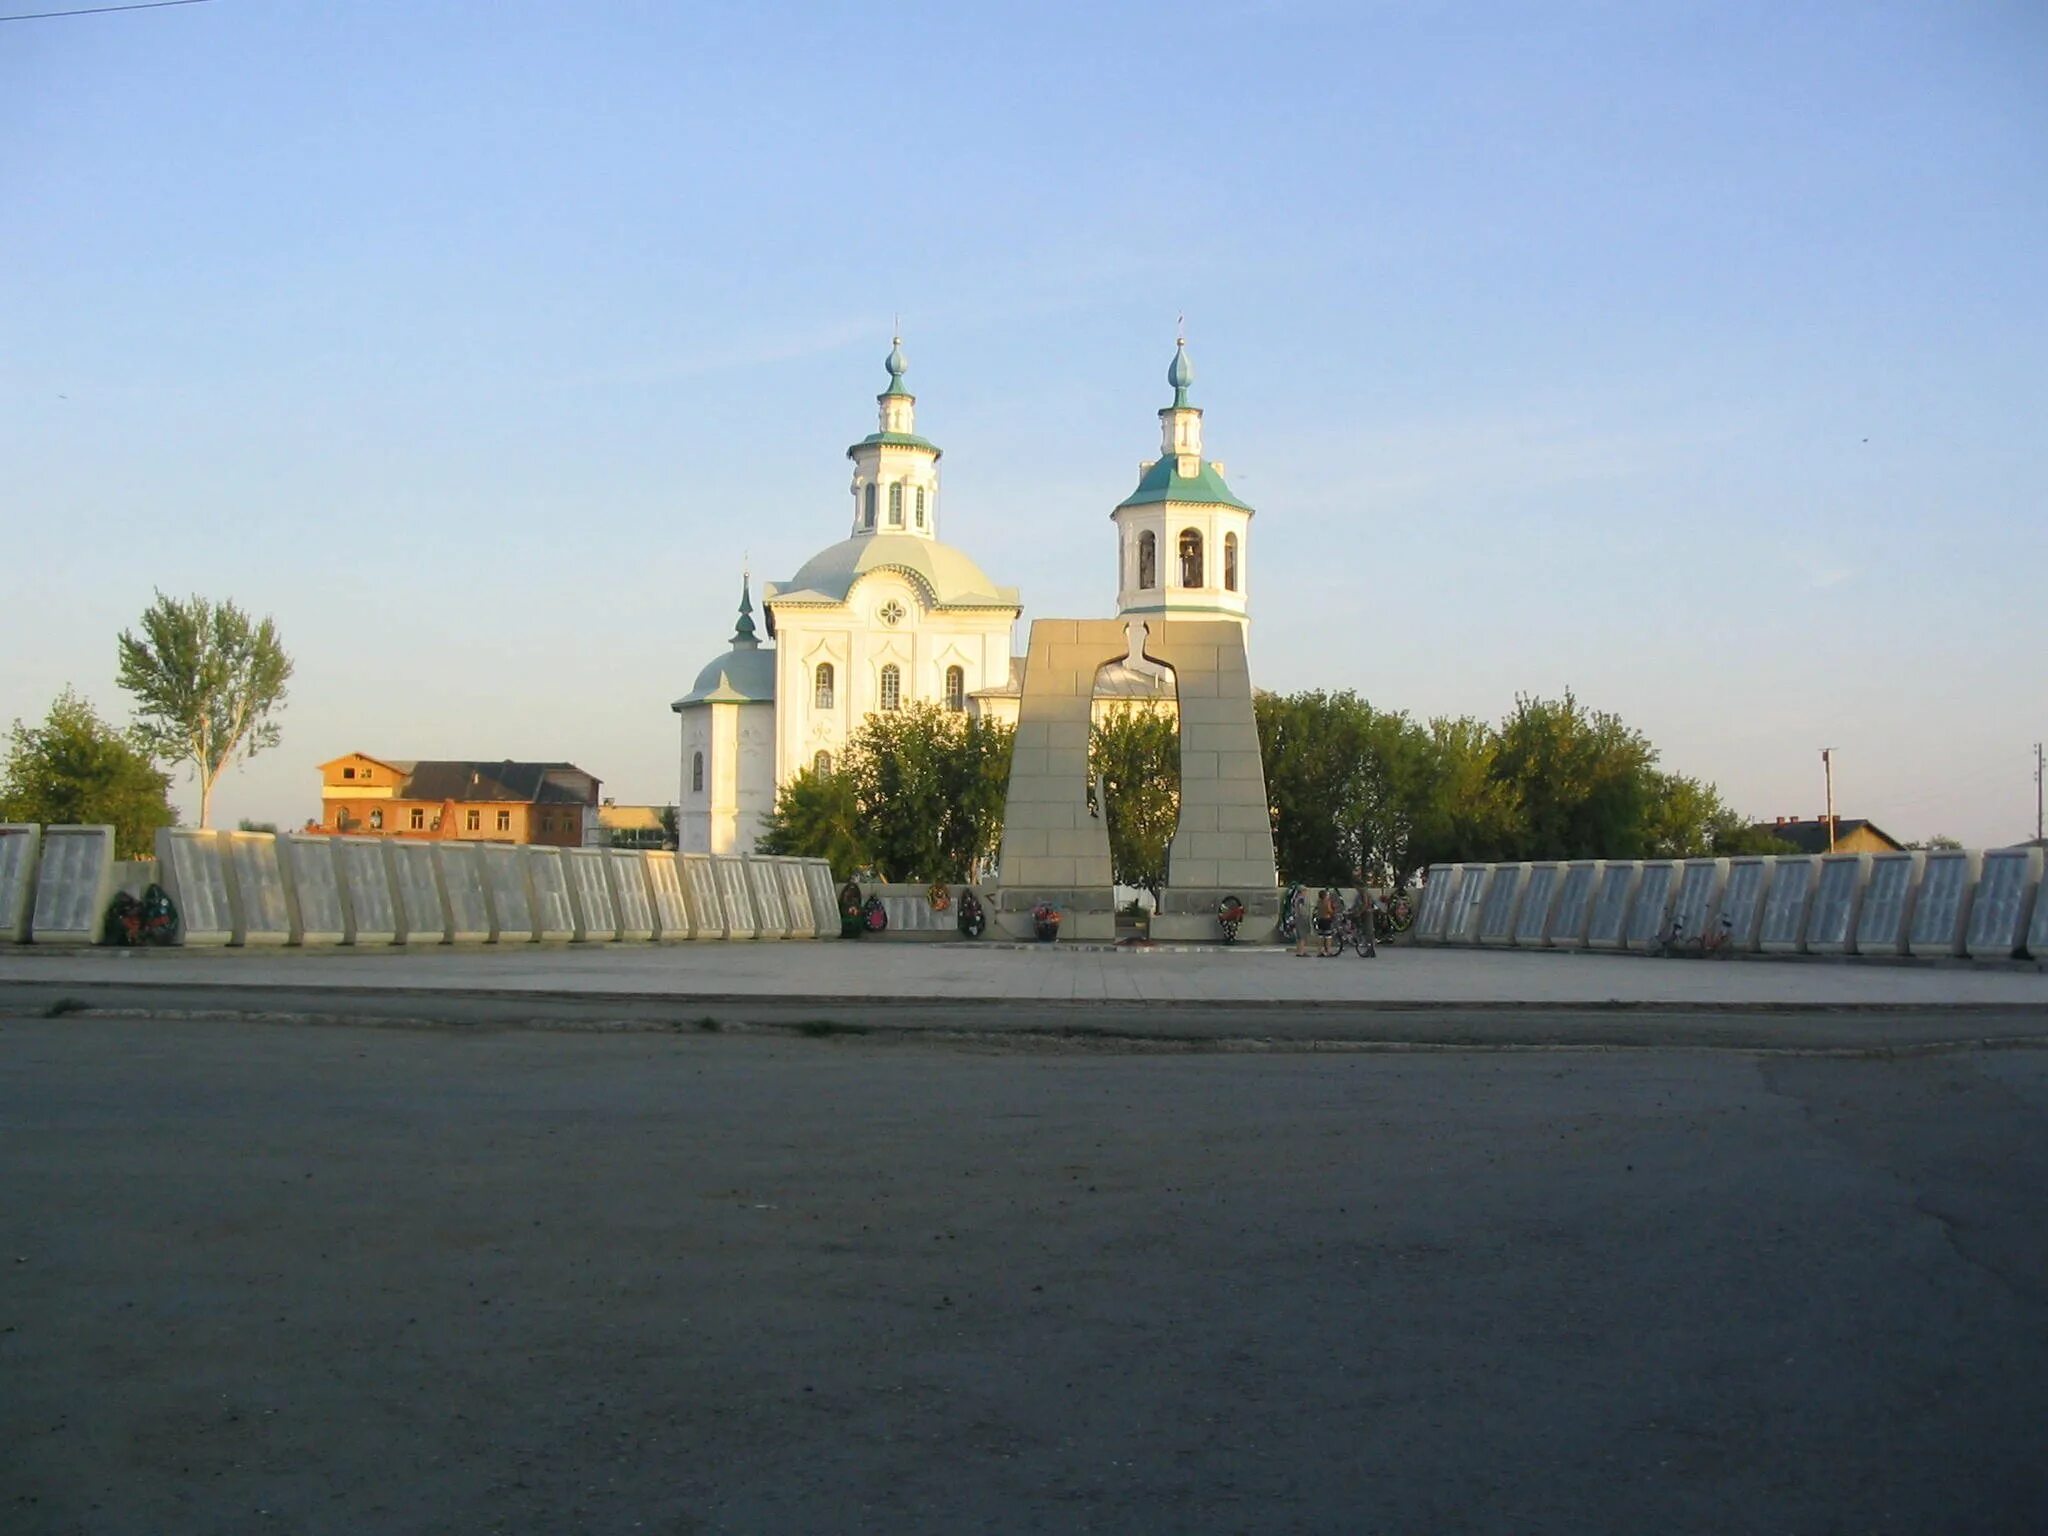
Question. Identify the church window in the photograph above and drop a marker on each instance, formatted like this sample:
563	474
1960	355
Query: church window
1190	558
1148	561
1230	562
697	773
821	691
822	763
896	505
956	688
920	506
868	519
892	687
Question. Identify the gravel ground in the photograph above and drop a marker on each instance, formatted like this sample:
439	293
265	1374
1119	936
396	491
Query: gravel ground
296	1278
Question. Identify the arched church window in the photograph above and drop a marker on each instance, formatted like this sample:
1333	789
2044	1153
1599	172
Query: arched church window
868	517
697	773
920	506
1148	561
956	688
896	505
1230	562
821	692
822	763
892	687
1190	558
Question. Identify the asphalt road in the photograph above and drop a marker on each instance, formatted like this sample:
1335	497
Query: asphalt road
325	1278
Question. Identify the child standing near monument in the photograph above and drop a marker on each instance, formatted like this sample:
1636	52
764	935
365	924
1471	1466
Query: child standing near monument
1299	910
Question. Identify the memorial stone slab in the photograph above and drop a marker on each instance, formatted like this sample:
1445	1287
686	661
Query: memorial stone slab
1539	901
1787	903
1742	901
595	920
771	919
19	843
665	884
508	886
259	893
1649	915
735	899
1941	909
2006	884
632	896
1467	902
1884	922
796	899
190	860
319	915
1837	902
1573	915
2037	925
460	869
824	898
1695	908
422	915
369	902
547	876
1433	916
707	901
74	883
1503	895
1607	927
911	911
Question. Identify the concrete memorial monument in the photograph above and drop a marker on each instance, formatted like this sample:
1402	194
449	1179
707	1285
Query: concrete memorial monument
735	900
592	916
1607	927
19	843
2037	926
1433	914
259	894
1786	905
422	914
632	897
1885	920
1539	901
460	869
796	899
824	898
508	887
74	883
369	904
1837	900
1695	906
547	876
665	887
190	861
1649	916
1941	910
1503	893
1461	925
707	901
318	913
1573	914
1742	900
2007	881
771	918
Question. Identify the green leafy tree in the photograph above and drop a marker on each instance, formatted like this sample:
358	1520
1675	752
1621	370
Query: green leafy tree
206	681
816	816
1134	754
1586	781
75	768
1939	841
1468	811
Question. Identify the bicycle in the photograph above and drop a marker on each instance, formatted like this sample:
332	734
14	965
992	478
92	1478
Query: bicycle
1712	944
1395	915
1351	933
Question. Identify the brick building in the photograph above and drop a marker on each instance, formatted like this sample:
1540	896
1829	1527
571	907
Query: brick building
492	802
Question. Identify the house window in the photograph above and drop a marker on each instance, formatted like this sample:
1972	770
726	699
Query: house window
697	773
504	821
367	774
821	686
868	517
1148	561
896	505
892	687
920	506
1230	562
822	763
956	688
376	820
419	819
474	821
1190	558
348	773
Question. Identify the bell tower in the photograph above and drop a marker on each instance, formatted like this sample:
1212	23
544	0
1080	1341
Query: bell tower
895	472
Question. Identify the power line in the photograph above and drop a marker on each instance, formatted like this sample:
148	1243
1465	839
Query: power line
101	10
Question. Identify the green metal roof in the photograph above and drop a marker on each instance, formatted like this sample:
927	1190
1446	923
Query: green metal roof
1164	482
897	440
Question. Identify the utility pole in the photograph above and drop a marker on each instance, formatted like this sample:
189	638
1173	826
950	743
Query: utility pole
1827	767
2037	791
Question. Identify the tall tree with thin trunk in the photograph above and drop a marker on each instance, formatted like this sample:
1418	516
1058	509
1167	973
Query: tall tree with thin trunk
206	680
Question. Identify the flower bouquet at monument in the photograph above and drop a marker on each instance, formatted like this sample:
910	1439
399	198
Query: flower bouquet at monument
1045	919
852	923
940	897
1229	913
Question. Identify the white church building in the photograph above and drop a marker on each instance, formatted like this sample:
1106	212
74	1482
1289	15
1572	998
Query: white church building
890	616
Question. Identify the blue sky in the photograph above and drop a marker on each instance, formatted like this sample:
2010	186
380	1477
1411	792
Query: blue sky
1693	357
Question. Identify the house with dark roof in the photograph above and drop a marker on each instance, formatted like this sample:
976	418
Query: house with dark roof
458	799
1853	834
